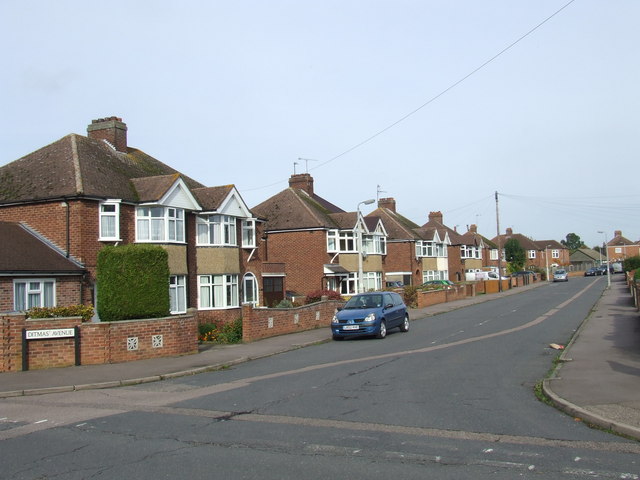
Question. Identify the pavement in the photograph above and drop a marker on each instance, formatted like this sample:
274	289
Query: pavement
597	380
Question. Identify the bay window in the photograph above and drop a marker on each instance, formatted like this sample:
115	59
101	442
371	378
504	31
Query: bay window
217	230
159	224
217	291
178	294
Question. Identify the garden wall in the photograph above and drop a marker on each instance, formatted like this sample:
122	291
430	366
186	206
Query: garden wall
104	342
260	323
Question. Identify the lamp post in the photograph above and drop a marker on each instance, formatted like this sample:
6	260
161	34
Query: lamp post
359	240
606	251
546	260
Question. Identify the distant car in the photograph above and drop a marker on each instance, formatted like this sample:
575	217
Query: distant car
560	275
592	272
603	269
444	284
394	284
370	314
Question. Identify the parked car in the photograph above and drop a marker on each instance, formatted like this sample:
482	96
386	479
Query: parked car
394	284
443	284
370	314
603	269
560	275
592	272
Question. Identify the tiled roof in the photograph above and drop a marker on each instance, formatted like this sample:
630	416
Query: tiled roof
24	253
619	241
210	198
397	226
525	242
80	166
543	244
295	209
455	237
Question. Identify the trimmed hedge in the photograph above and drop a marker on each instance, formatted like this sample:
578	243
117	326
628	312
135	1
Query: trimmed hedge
133	282
84	311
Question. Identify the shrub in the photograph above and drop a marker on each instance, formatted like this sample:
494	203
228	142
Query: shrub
221	333
410	295
133	282
317	295
285	304
631	263
84	311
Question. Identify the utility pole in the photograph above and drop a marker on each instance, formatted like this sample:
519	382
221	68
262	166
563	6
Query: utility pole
499	245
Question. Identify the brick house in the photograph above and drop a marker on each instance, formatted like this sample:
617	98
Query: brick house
81	193
33	273
311	244
477	252
440	250
620	248
539	254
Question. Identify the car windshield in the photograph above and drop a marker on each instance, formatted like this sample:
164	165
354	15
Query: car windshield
364	301
560	272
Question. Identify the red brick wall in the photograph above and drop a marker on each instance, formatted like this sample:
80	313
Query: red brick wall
100	342
304	253
260	323
401	257
434	297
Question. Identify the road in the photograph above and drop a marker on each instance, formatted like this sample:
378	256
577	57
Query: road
451	399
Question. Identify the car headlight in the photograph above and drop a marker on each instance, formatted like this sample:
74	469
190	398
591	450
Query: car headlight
335	320
370	318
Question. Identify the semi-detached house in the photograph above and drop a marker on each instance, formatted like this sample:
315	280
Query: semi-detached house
310	244
81	193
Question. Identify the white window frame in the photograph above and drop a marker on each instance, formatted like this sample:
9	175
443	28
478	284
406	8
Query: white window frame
555	253
428	275
248	233
339	241
106	217
178	294
531	254
159	224
374	244
34	293
372	281
218	292
221	227
250	289
349	285
493	254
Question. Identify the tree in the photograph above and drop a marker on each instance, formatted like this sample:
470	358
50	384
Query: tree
572	242
514	254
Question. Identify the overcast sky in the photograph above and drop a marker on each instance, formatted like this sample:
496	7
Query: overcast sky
438	104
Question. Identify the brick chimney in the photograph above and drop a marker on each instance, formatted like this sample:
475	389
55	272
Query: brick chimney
302	181
617	233
473	228
389	203
111	129
435	216
509	231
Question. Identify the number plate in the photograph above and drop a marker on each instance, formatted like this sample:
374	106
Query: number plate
350	327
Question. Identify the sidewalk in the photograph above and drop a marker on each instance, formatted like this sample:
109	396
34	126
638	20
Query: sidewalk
598	382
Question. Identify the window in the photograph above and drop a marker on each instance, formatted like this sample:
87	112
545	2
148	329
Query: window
178	293
431	249
218	291
341	241
435	275
371	281
249	233
374	244
493	254
555	253
217	230
159	224
348	285
531	253
469	251
250	289
33	293
110	220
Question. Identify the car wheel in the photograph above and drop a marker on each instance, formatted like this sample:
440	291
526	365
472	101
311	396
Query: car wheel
383	330
404	327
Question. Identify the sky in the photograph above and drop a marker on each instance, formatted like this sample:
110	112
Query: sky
438	104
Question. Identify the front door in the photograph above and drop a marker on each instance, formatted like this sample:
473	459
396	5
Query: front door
272	290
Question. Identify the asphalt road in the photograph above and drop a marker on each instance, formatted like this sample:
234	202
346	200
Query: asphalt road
452	398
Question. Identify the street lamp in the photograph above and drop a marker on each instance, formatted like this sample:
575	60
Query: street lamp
606	251
359	234
546	260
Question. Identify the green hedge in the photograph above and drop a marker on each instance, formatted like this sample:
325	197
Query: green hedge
133	282
84	311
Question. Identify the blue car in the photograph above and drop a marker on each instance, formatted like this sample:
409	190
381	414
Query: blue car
370	314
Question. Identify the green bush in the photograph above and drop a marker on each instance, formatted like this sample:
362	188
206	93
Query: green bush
410	295
285	304
84	311
225	333
133	282
631	263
